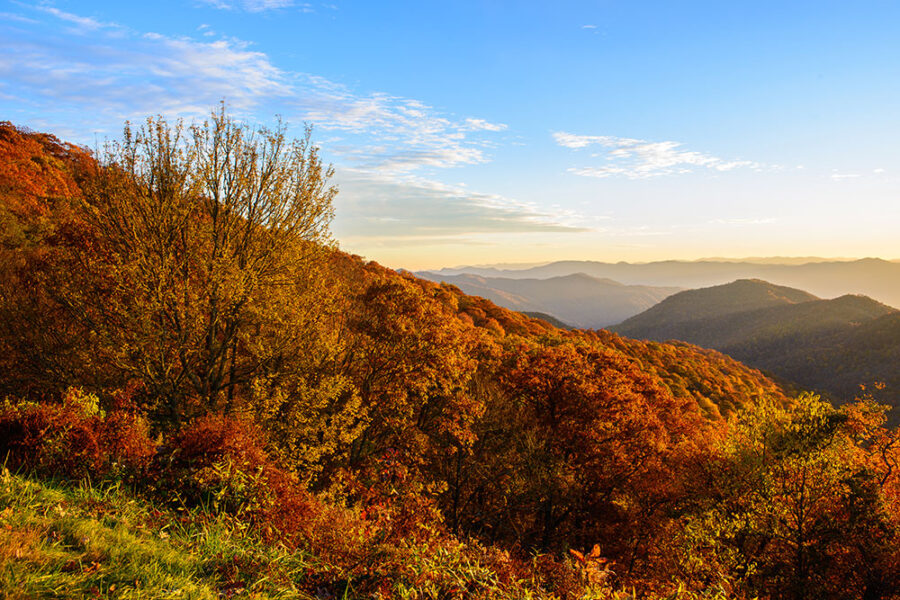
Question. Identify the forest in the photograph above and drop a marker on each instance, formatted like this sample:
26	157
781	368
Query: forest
204	397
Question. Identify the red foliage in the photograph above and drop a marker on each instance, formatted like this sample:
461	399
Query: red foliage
74	439
221	461
215	437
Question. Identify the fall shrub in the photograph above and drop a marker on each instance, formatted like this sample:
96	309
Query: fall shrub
74	438
220	462
125	441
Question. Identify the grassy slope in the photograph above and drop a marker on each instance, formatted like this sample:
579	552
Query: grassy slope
58	541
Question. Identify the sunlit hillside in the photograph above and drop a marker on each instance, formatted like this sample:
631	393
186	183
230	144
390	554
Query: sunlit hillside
206	398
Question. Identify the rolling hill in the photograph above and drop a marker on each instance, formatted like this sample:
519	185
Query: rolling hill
577	299
831	346
406	436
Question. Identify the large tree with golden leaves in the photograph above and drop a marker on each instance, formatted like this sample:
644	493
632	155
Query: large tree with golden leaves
202	274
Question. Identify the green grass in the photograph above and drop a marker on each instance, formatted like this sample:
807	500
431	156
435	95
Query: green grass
59	541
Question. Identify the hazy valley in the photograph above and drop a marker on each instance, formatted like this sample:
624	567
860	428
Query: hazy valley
578	300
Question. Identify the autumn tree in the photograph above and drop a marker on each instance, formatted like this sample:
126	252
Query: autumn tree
577	447
196	268
412	363
797	503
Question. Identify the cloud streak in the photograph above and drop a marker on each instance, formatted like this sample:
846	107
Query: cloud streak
391	133
641	159
380	208
81	22
258	5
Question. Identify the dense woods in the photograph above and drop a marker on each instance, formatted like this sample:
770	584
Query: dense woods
175	318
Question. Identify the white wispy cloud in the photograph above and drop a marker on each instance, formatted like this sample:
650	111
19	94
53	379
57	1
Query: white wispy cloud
113	79
391	133
845	176
134	74
471	124
8	16
258	5
116	76
88	23
372	207
638	159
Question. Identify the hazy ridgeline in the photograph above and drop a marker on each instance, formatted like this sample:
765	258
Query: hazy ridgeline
578	300
876	278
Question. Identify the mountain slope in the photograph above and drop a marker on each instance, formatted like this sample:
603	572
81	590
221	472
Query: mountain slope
831	346
577	299
841	360
458	437
713	382
678	315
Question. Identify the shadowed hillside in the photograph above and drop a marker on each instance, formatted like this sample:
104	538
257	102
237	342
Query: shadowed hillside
828	345
665	319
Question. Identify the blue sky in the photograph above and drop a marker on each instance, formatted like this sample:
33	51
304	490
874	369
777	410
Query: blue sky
489	131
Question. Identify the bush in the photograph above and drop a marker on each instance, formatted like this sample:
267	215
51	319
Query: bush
74	439
220	462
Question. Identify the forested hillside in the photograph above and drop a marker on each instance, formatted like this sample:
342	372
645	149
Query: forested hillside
832	346
260	413
692	307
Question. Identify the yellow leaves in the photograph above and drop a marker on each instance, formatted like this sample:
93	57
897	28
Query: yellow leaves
86	403
310	421
593	567
203	258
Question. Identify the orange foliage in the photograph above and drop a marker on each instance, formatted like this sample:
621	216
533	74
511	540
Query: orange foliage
36	168
221	462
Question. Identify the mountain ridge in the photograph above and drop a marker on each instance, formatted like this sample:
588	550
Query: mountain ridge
873	277
821	344
577	299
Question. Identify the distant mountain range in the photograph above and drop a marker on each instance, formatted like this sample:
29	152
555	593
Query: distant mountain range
873	277
831	346
576	299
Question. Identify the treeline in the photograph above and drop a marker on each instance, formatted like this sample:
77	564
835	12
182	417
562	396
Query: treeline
186	280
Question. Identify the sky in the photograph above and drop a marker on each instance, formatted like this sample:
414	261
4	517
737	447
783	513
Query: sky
482	132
